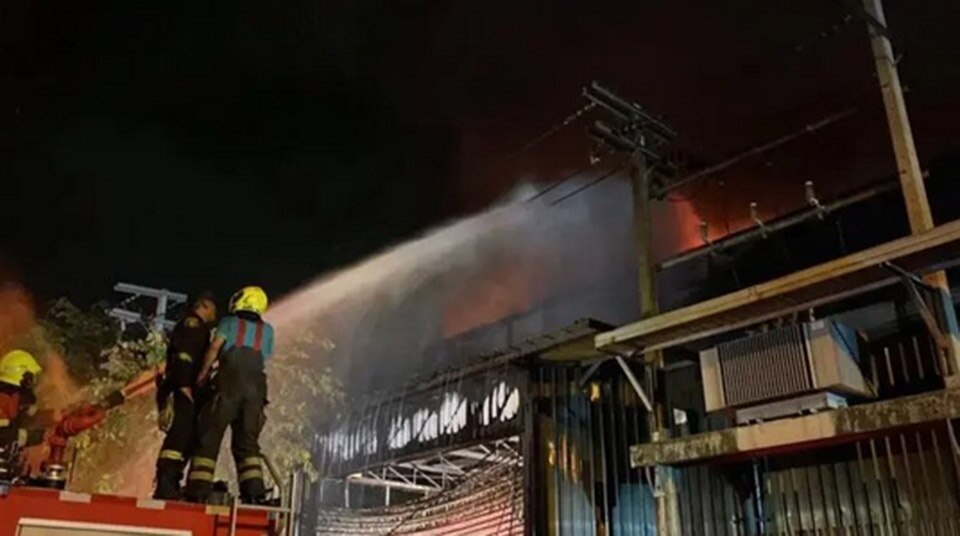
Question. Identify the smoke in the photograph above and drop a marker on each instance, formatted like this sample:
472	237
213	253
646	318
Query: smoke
545	265
16	315
56	390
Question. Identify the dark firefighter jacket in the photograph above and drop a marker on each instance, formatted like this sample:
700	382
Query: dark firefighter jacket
188	343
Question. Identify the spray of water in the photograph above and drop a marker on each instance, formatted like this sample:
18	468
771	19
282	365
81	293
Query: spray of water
384	319
549	264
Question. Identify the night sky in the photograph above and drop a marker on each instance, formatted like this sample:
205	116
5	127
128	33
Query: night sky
214	144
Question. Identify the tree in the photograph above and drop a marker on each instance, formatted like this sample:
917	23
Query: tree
81	336
118	455
302	395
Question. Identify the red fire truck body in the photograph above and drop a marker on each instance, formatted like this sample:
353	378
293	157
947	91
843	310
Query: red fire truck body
26	511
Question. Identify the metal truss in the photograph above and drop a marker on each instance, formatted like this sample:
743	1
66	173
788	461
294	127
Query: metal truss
440	470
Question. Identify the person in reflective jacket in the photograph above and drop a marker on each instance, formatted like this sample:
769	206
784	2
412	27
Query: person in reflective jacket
19	423
242	344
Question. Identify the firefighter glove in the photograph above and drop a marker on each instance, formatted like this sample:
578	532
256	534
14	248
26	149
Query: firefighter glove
165	416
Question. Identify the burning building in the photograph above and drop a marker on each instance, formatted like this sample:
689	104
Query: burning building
525	426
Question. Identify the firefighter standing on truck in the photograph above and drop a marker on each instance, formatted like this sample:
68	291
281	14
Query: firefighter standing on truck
18	375
177	393
241	345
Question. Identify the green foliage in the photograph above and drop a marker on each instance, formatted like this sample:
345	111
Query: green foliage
302	395
81	336
117	456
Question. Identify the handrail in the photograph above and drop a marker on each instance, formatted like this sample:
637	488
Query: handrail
288	512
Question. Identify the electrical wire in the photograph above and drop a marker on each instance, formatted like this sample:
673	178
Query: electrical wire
567	121
479	471
837	27
698	176
555	184
613	171
834	29
807	129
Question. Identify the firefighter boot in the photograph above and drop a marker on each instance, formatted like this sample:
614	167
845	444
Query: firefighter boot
252	488
245	444
212	422
169	473
200	479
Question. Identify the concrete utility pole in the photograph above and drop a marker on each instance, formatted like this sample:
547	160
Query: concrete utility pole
642	136
908	164
164	298
643	234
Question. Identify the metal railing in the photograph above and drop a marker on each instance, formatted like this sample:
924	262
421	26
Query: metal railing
287	515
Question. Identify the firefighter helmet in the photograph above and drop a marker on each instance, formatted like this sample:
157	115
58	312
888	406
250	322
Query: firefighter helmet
16	365
251	299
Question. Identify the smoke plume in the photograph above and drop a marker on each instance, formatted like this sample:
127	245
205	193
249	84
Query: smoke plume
543	264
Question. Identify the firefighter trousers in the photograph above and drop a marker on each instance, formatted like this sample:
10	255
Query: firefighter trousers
177	447
239	405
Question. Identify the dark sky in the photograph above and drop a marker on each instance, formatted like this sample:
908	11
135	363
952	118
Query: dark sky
213	144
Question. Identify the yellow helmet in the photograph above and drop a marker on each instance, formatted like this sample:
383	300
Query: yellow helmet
17	364
252	299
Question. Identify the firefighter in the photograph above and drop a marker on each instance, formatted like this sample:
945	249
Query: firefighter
240	347
18	374
177	393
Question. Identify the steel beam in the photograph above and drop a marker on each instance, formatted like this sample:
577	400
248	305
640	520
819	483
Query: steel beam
562	338
151	292
854	274
377	482
446	469
755	233
633	381
914	285
829	427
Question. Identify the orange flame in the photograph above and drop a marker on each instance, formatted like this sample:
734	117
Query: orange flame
506	292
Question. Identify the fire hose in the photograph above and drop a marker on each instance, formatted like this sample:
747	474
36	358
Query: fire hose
84	417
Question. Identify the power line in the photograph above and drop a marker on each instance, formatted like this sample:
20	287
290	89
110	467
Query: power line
759	149
555	184
613	171
748	235
753	151
567	121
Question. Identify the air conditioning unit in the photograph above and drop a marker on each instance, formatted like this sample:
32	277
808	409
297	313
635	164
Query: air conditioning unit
814	363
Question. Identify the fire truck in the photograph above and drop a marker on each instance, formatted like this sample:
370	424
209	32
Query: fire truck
42	507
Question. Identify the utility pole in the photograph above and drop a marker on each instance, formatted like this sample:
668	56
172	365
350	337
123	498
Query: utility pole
636	132
643	235
165	299
908	165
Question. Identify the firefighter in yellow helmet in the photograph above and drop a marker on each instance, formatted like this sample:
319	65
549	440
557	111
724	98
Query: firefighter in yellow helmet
242	344
18	375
